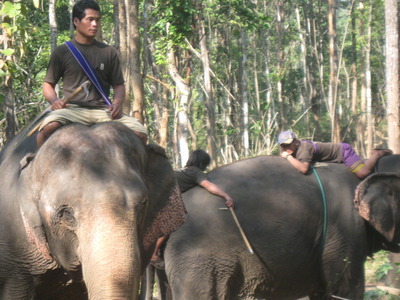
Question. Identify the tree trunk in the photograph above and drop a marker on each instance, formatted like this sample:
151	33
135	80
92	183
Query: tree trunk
315	69
134	60
392	92
71	25
392	73
9	98
333	63
354	83
280	29
53	23
305	91
122	44
209	96
244	95
368	84
183	91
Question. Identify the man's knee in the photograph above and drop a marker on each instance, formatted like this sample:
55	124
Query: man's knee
142	136
48	129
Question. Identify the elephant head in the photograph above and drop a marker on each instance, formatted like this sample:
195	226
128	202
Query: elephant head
378	201
92	202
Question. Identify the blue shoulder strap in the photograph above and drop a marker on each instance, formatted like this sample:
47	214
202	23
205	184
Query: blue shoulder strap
90	72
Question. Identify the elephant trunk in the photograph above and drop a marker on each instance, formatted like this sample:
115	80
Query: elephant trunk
110	257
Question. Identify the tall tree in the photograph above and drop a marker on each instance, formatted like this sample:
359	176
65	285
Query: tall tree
183	91
333	65
243	88
207	85
130	48
280	29
135	61
9	12
53	23
368	82
392	72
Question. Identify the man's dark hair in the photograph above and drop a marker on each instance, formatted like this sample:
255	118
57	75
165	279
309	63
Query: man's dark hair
199	159
78	11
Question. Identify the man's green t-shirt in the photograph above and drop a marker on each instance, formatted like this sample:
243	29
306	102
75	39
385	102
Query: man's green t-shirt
189	177
102	57
317	151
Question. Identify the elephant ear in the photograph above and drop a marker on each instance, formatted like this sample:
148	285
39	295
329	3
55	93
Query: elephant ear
31	219
377	199
166	209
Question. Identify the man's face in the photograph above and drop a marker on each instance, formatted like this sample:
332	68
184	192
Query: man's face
89	24
290	148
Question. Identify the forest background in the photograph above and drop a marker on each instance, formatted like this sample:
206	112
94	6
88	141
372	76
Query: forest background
225	75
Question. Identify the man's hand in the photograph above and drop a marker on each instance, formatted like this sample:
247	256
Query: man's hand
229	201
285	154
58	104
115	111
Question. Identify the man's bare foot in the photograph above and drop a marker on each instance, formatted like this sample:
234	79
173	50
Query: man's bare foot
157	262
381	152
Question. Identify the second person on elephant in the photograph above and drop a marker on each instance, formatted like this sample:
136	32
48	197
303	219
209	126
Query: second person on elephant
301	154
188	177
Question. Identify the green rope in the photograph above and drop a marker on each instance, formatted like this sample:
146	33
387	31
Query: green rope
324	208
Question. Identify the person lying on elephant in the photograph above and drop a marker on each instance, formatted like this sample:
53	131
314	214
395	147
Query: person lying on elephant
87	107
301	154
188	177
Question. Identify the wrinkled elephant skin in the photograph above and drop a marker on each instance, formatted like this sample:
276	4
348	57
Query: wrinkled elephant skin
80	220
282	213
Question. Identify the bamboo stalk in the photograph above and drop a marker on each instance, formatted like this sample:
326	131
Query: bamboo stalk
246	241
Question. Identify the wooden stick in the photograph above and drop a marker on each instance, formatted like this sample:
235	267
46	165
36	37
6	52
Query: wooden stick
246	241
66	100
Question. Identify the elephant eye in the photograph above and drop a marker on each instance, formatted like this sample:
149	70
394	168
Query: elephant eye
65	216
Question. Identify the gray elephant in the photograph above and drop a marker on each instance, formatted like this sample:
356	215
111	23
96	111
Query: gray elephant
81	219
306	232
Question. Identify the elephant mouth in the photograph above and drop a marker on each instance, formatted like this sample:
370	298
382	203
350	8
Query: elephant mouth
76	275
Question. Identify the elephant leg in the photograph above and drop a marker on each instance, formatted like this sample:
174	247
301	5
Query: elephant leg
149	282
345	280
165	290
18	289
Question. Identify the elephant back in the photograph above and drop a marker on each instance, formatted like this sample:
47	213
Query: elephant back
390	163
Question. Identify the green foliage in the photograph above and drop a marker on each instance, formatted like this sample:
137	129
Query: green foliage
377	294
172	24
15	27
383	270
238	13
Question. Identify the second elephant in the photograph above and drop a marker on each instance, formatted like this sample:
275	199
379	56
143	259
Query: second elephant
308	236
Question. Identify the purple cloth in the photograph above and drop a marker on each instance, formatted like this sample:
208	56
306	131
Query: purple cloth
350	157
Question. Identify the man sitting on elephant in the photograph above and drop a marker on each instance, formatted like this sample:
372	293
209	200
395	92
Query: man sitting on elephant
301	154
93	106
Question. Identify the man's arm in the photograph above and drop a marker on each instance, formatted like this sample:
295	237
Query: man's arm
214	189
118	101
50	95
303	167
